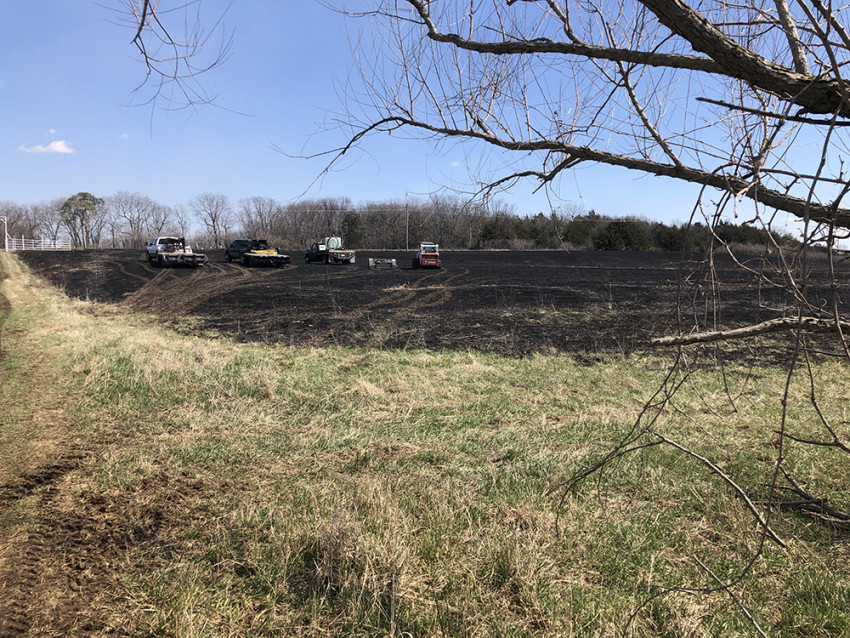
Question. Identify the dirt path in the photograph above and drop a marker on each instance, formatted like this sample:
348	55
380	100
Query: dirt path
66	547
57	558
55	571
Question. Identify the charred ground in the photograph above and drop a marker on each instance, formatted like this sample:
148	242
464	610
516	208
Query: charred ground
513	303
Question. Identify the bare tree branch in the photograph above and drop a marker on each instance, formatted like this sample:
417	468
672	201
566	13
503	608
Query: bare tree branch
742	494
782	324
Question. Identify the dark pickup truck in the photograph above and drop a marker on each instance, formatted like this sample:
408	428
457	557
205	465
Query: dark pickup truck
329	251
255	252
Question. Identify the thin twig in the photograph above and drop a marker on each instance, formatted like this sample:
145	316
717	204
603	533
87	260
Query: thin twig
732	595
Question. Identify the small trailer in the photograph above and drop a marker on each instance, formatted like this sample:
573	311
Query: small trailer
381	263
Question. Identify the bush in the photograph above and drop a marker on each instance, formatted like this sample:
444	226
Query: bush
577	233
623	235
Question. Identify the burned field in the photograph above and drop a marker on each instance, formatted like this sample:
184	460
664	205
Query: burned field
512	303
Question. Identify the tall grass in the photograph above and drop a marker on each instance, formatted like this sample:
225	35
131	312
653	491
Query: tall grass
345	492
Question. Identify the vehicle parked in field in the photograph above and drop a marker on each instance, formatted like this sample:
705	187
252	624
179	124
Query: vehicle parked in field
329	251
172	251
382	263
255	252
428	256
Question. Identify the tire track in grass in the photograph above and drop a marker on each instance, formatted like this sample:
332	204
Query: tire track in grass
62	574
124	270
394	308
172	295
397	296
438	295
324	275
26	558
5	309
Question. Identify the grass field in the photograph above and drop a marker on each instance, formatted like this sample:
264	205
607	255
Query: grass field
159	484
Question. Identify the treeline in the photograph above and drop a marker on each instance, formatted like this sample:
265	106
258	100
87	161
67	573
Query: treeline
128	220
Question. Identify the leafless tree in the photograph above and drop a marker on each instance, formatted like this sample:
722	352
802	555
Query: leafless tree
161	217
717	97
132	213
258	216
48	219
182	219
20	221
215	212
328	213
176	48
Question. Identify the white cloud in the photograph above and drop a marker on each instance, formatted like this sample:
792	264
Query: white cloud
56	146
124	136
50	131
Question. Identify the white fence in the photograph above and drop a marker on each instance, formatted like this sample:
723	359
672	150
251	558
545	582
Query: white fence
37	244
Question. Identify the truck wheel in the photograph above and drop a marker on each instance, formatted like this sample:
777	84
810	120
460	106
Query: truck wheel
246	261
227	257
306	259
160	261
326	259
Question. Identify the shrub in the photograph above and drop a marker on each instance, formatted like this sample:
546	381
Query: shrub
623	235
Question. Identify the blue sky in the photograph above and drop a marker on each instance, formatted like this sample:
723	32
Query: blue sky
67	76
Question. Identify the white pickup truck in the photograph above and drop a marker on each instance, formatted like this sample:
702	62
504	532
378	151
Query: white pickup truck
172	251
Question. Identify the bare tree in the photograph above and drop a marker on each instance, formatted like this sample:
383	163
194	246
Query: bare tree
258	215
553	85
182	219
328	213
174	66
298	225
20	221
548	85
133	213
215	212
48	219
161	217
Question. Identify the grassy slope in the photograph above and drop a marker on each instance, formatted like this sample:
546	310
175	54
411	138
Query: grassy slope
266	490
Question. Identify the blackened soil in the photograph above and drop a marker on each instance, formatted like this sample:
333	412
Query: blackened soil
513	303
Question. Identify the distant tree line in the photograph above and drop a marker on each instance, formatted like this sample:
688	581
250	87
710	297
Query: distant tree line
127	220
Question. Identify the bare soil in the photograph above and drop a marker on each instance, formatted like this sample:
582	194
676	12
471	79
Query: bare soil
512	303
60	574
